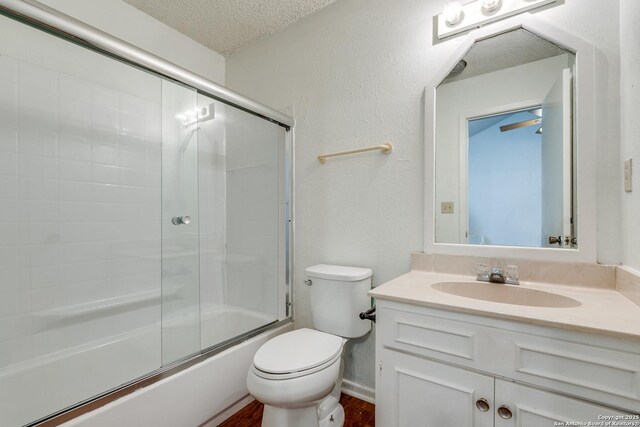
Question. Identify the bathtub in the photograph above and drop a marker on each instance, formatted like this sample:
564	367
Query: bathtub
224	322
192	397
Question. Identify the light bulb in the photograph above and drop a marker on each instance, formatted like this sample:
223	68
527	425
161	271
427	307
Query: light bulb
489	6
453	13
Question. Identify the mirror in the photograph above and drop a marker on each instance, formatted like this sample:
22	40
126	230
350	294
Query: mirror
504	145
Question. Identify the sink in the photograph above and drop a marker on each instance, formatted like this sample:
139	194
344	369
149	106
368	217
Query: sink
506	294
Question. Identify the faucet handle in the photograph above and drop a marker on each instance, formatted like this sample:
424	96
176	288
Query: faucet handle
511	275
483	272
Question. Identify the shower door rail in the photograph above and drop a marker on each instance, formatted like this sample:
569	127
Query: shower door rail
33	12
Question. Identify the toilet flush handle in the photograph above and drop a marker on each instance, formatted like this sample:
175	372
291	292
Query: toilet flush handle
308	282
369	314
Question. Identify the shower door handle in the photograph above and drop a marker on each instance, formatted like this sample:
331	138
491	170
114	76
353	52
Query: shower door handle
179	220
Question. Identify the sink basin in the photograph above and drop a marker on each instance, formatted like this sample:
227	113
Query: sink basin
505	294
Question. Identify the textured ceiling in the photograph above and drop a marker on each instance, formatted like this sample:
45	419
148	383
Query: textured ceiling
227	25
504	51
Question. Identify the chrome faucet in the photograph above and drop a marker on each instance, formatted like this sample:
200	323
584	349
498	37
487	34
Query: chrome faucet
496	275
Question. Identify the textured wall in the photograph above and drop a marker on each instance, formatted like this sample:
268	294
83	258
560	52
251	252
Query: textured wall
131	25
355	74
630	120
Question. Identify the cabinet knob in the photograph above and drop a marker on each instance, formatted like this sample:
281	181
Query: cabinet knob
505	412
482	405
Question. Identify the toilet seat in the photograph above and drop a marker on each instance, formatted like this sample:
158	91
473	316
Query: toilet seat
297	353
290	375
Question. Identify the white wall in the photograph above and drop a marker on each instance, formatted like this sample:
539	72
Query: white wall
630	105
133	26
355	74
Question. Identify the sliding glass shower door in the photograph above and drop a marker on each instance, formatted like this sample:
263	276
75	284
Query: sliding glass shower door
141	223
180	257
242	240
80	234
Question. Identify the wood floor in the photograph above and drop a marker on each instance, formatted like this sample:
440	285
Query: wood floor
358	413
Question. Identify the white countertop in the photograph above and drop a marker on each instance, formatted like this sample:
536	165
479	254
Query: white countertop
602	311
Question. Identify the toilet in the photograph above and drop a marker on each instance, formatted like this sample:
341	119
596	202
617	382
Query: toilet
298	375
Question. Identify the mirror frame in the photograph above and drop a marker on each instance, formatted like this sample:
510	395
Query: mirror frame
587	82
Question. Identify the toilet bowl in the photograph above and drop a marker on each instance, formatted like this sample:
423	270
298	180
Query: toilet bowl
293	373
298	375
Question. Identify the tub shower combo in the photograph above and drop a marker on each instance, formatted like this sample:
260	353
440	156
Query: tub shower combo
144	215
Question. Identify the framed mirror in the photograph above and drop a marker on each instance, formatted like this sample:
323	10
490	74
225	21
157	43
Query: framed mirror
507	141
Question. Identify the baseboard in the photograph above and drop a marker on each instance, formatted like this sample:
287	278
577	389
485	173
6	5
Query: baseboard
359	391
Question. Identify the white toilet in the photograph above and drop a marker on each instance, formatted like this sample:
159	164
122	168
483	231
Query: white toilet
298	375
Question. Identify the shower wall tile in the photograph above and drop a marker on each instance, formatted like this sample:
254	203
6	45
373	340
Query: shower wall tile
212	195
80	206
253	222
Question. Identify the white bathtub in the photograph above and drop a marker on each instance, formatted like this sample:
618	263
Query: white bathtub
203	395
41	386
224	322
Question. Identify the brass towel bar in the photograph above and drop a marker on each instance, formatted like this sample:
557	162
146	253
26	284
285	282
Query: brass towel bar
385	148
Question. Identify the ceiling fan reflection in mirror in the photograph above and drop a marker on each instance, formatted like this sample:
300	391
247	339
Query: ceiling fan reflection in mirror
525	123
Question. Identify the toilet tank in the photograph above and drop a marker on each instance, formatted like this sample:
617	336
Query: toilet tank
338	295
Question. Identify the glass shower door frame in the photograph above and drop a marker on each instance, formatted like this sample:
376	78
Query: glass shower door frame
46	19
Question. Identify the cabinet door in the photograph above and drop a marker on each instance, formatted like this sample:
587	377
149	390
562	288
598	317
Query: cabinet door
416	392
530	407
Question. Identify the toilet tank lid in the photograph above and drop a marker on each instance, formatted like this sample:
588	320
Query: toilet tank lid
338	272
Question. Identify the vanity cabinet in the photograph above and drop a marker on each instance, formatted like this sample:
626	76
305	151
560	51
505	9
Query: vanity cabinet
442	368
420	392
530	407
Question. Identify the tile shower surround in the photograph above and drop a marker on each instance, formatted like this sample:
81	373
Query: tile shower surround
79	205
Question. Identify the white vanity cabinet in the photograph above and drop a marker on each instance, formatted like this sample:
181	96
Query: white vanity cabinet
419	392
530	407
438	368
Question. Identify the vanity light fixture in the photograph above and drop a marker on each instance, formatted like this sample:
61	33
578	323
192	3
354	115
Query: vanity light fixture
198	115
458	17
453	13
489	6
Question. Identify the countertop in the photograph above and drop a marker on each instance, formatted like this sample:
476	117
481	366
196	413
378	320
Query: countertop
603	311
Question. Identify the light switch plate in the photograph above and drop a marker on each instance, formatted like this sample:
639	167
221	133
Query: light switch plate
446	207
628	176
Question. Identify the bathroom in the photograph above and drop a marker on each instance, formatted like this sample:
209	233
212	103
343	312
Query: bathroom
195	300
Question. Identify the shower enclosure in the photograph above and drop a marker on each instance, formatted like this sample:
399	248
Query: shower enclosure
144	220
